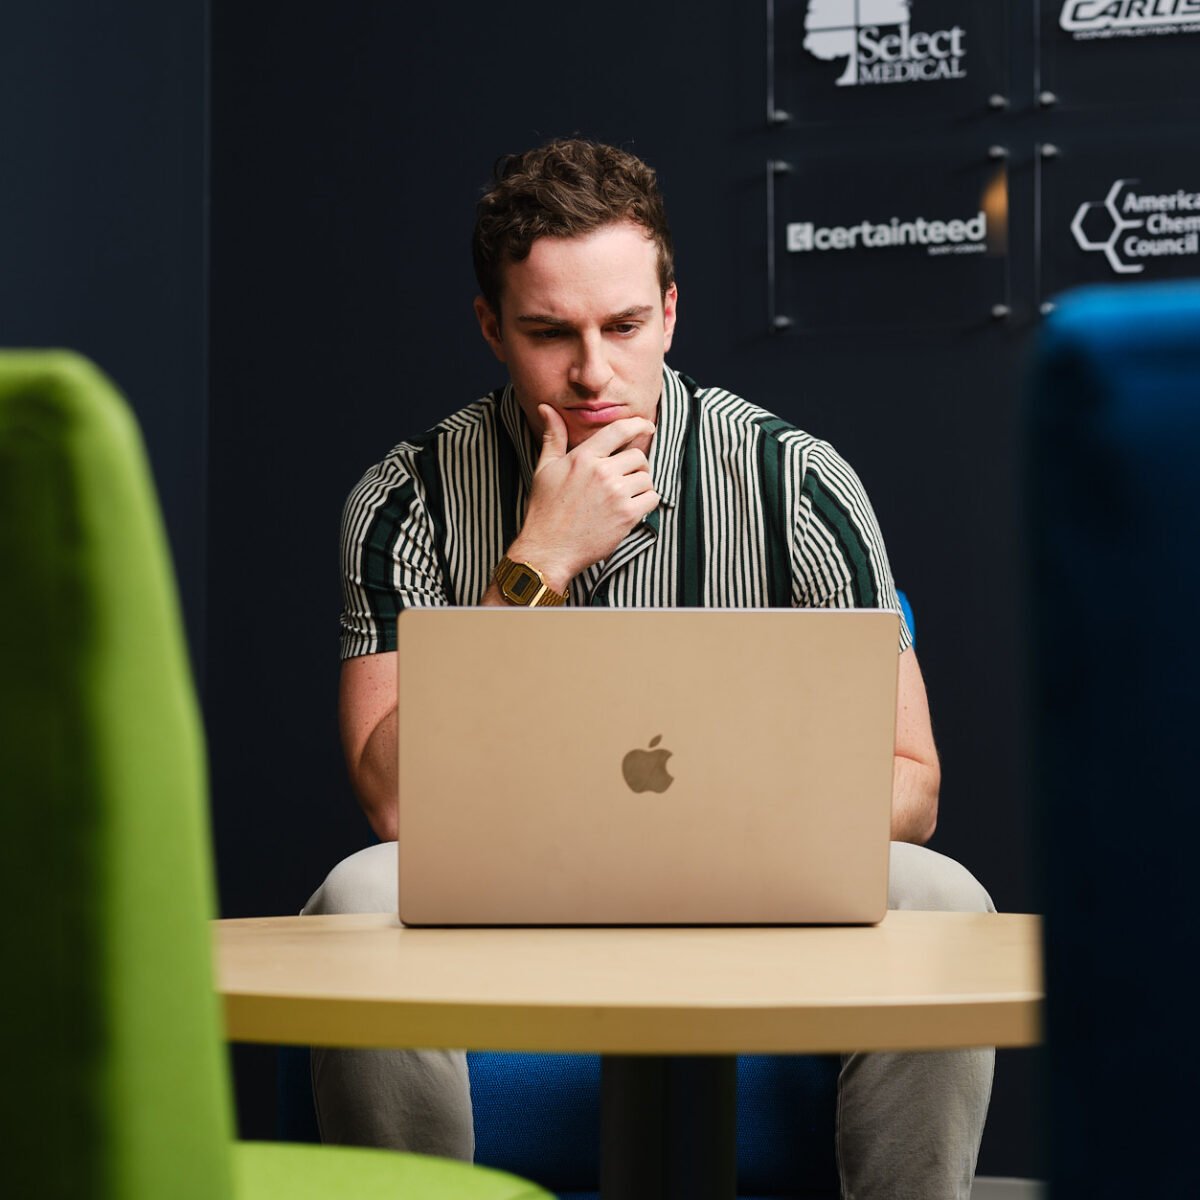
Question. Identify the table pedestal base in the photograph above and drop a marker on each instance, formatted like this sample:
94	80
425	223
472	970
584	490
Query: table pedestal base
668	1128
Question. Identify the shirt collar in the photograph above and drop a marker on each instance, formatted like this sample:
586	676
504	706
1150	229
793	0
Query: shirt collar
666	450
519	434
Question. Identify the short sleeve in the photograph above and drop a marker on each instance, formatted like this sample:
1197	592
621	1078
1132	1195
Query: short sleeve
839	559
389	558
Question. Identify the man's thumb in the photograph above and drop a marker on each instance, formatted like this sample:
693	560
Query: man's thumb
554	432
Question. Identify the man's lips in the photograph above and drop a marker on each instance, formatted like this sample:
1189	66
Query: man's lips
595	413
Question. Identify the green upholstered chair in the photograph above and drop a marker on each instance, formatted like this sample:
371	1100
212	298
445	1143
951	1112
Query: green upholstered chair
117	1083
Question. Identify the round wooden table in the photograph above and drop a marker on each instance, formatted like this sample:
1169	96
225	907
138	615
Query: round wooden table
642	997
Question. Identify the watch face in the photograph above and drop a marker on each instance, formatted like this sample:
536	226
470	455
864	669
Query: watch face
522	584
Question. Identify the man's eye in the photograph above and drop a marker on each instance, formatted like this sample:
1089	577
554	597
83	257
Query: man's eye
626	328
547	334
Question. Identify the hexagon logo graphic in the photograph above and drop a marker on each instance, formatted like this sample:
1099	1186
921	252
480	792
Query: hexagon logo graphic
1098	216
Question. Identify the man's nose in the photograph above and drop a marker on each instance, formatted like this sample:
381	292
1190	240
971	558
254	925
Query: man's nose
590	371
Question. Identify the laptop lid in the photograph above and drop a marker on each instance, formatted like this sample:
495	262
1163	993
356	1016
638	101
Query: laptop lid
652	766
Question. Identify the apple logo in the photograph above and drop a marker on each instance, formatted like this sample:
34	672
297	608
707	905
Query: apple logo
646	770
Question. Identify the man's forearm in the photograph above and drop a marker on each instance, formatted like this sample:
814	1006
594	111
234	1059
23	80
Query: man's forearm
915	787
375	778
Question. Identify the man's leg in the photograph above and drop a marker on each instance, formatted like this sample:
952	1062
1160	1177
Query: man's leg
909	1125
417	1100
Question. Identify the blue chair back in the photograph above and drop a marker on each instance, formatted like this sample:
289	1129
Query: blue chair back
1114	525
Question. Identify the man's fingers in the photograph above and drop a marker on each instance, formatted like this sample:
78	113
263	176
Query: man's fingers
626	461
639	483
646	503
612	437
554	434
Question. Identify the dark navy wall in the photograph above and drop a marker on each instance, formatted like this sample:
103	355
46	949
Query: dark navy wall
103	210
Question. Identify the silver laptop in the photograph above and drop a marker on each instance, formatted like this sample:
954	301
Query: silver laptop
645	767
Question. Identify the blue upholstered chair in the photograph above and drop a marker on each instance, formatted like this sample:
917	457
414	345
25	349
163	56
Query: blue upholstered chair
538	1115
1114	527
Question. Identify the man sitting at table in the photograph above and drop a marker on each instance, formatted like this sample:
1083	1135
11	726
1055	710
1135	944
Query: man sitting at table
550	476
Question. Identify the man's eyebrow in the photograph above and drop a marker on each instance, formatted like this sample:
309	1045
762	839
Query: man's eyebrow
634	310
538	319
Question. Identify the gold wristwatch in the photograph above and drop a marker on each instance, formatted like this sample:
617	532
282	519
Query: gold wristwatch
525	586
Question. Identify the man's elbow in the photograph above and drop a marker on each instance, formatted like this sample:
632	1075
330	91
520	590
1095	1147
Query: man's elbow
928	811
928	825
383	819
915	803
372	769
378	804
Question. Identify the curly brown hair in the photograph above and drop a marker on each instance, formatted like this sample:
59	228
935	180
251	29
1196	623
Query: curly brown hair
568	187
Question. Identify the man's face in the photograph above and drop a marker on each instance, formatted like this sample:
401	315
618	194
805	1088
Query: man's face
583	327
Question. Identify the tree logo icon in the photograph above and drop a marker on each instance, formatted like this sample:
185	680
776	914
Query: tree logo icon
832	29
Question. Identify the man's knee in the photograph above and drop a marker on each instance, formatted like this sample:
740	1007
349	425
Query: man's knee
363	883
414	1100
924	880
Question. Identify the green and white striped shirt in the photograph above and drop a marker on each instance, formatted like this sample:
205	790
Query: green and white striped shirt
753	513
